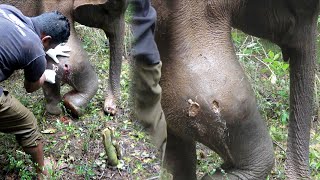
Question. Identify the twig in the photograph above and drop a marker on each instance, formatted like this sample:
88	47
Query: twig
317	103
242	45
276	143
119	172
112	175
317	78
264	51
152	178
101	175
265	65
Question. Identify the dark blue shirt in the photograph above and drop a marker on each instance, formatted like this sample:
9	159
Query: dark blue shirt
20	45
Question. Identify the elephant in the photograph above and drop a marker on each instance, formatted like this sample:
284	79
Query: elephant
207	97
112	21
76	70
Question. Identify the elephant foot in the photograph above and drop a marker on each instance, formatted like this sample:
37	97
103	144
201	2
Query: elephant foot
233	174
216	176
75	102
53	109
165	175
75	111
110	106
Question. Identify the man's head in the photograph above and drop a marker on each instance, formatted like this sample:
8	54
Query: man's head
54	28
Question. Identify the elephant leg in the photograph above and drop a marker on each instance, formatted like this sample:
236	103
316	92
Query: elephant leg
247	152
85	84
180	157
115	33
302	75
52	95
293	26
73	100
110	103
76	101
223	175
218	176
112	21
113	88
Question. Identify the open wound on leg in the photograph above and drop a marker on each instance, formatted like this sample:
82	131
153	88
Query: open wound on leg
194	108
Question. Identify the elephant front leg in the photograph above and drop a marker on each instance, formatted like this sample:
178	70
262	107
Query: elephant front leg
115	33
111	20
302	75
110	103
180	157
113	89
52	95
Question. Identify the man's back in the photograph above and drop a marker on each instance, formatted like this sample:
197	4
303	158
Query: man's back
20	43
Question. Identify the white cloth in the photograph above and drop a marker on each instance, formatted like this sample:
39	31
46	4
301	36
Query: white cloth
50	76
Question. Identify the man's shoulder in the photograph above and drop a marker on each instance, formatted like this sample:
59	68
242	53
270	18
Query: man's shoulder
14	15
21	45
10	8
33	47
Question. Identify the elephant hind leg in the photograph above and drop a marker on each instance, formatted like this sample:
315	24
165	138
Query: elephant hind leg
231	174
222	175
85	86
180	157
73	101
76	101
219	176
250	148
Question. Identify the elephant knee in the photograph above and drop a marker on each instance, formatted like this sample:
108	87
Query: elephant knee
236	107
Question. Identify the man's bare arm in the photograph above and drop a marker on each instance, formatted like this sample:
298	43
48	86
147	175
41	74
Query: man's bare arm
33	86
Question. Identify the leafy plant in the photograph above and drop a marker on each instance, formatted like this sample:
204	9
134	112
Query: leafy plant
21	163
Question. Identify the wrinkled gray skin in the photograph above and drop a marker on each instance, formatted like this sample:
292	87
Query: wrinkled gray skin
76	69
207	96
108	16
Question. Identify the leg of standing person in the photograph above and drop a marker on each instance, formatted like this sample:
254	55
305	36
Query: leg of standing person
18	120
147	72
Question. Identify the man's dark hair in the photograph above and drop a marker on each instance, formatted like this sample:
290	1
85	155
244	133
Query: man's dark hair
54	24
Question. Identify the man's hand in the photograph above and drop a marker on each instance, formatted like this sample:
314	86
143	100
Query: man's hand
50	76
59	50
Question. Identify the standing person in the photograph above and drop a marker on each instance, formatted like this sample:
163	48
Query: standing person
23	42
147	72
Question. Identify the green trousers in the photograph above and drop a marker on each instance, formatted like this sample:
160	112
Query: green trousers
147	101
18	120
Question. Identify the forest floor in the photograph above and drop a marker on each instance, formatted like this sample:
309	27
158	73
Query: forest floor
76	144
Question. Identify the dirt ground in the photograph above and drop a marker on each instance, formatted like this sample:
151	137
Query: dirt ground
76	144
